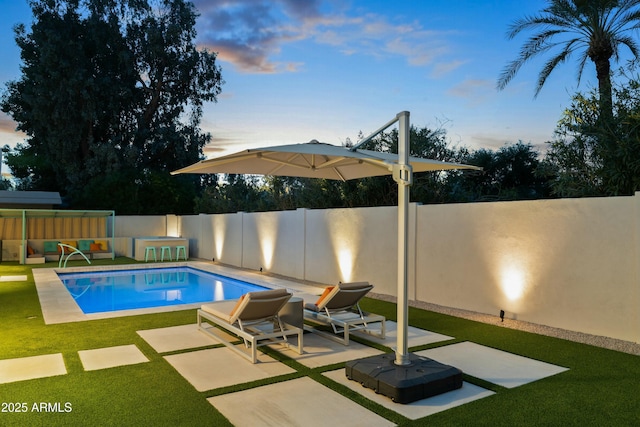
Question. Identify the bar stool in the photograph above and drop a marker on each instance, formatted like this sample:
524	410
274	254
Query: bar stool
162	251
184	252
147	251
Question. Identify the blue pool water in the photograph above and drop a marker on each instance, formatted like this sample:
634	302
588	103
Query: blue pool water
103	291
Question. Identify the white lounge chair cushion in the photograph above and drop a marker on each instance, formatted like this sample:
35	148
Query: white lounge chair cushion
220	309
231	310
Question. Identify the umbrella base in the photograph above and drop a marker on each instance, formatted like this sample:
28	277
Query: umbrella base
420	379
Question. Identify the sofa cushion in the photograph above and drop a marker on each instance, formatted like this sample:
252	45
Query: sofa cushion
84	245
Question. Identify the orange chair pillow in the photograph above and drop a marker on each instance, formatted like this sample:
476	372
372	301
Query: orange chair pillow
326	292
30	250
95	247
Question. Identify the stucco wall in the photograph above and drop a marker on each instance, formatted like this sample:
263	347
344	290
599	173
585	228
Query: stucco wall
140	226
569	263
274	241
352	245
565	263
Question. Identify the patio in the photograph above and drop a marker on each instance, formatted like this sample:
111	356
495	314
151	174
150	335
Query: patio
157	368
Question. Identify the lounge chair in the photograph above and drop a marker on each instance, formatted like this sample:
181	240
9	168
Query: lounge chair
339	307
254	318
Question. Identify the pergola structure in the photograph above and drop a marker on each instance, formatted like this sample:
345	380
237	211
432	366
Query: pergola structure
49	224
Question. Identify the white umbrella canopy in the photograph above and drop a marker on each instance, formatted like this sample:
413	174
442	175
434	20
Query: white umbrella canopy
312	160
320	160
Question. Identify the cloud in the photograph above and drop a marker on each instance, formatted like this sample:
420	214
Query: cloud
7	125
248	33
251	33
443	68
495	142
476	91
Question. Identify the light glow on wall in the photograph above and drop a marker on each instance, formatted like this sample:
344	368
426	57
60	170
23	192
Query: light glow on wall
344	233
267	245
267	228
218	239
345	262
173	226
512	282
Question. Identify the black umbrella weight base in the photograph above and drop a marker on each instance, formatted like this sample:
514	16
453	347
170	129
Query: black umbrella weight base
421	378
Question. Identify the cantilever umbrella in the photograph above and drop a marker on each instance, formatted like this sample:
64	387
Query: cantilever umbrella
319	160
310	160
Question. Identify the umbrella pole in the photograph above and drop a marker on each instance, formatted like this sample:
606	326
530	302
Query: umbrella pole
402	174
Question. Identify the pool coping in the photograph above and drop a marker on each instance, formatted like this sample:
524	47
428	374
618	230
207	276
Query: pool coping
58	306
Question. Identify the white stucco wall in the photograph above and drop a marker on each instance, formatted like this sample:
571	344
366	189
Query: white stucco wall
568	263
352	245
274	241
565	263
140	226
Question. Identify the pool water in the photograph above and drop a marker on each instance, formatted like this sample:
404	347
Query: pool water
104	291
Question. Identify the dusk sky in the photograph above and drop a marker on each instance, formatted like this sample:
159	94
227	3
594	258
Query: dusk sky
297	70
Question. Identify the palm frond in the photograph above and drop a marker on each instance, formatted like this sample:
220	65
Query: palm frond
583	60
591	26
548	68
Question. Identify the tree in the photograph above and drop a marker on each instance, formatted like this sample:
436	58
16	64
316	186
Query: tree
511	173
585	165
239	193
110	99
428	187
597	28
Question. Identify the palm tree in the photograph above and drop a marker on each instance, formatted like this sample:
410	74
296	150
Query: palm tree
595	28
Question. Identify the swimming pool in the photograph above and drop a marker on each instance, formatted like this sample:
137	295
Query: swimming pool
115	290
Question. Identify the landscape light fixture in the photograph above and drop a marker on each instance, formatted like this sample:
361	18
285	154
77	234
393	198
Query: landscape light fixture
502	315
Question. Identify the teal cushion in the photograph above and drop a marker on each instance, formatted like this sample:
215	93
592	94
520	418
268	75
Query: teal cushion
84	245
51	246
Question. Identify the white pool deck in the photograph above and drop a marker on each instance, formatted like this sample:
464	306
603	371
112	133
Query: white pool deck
300	401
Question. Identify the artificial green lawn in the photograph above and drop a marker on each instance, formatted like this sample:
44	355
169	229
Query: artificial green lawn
600	388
